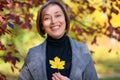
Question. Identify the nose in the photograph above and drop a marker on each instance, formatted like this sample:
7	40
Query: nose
53	20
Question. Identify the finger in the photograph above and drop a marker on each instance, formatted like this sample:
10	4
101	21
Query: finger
55	76
61	77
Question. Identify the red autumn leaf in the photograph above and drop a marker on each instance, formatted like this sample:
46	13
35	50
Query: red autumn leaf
37	2
118	38
85	1
2	4
78	29
81	9
16	51
117	30
92	52
17	4
110	29
29	5
2	77
91	9
9	4
12	68
7	58
94	40
1	18
2	46
1	7
1	43
109	17
30	2
104	9
118	5
11	45
113	0
26	25
14	17
91	30
8	31
94	62
17	20
2	31
73	29
11	16
72	17
17	59
109	50
13	60
114	11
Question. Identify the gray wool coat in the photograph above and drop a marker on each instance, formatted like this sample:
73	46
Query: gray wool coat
34	67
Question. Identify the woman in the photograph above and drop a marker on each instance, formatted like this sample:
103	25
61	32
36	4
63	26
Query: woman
58	57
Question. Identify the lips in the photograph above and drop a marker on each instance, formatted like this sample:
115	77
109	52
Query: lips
55	27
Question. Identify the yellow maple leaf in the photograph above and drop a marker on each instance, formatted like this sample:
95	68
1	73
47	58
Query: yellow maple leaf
56	63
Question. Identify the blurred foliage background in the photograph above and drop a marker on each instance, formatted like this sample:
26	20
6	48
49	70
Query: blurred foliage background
93	22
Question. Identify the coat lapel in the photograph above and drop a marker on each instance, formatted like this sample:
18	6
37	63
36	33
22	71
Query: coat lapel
43	54
38	65
78	63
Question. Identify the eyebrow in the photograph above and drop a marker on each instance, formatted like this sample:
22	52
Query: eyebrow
58	12
55	12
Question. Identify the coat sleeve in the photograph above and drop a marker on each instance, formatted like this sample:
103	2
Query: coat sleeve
25	74
90	72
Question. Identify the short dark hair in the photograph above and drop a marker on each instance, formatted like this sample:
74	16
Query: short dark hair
39	24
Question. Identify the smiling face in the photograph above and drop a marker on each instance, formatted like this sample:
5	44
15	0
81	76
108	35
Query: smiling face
53	20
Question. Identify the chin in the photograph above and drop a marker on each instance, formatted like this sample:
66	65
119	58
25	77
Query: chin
56	36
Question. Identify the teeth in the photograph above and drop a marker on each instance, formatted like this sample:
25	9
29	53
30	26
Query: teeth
55	27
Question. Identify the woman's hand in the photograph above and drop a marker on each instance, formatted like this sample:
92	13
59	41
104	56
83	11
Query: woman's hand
58	76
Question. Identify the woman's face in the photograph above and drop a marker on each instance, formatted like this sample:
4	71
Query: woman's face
53	20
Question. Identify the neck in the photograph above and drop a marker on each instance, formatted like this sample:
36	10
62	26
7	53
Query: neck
56	42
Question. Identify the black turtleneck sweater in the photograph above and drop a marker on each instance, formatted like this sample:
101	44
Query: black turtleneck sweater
62	49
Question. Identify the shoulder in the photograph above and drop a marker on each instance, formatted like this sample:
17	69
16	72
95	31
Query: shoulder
35	52
81	52
38	47
79	46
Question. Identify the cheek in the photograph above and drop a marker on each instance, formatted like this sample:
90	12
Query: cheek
62	20
46	24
